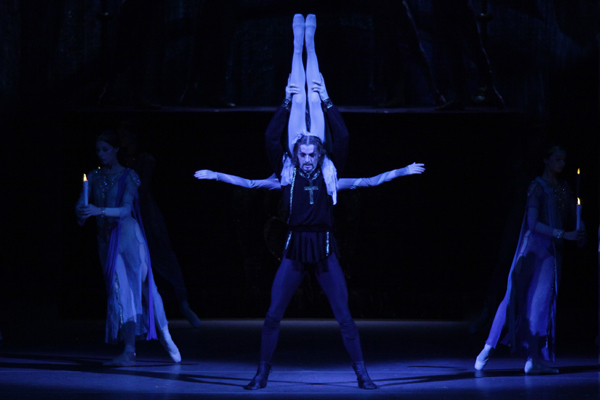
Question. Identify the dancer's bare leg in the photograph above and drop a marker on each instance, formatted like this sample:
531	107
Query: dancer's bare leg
126	330
297	121
317	119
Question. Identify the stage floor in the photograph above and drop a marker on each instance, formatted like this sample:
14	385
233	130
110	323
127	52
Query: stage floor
407	359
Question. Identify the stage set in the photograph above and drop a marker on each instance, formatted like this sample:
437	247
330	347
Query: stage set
425	257
406	359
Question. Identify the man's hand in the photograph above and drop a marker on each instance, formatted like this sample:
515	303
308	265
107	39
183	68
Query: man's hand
320	88
205	174
291	89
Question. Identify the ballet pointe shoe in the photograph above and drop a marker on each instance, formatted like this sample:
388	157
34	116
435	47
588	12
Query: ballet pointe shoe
298	21
189	314
298	28
167	342
126	359
310	27
260	379
483	357
362	376
311	23
534	367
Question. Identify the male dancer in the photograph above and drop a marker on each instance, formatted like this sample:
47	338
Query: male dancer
308	179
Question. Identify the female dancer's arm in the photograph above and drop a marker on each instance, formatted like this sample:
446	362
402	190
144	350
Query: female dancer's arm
535	194
353	183
271	183
131	186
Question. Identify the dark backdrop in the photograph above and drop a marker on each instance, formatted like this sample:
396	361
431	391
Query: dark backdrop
419	247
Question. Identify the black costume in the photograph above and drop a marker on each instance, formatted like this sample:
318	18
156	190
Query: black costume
311	243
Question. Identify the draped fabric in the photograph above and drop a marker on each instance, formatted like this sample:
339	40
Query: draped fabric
131	292
528	310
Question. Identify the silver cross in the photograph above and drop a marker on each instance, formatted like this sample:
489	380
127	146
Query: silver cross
311	189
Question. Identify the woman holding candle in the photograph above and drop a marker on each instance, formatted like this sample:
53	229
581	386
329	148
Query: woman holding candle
528	309
124	255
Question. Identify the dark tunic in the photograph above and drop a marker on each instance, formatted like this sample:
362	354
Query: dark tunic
310	240
310	218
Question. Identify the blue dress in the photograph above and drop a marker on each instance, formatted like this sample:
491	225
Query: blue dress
528	311
124	256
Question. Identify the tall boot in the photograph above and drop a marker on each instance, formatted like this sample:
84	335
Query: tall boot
260	379
362	376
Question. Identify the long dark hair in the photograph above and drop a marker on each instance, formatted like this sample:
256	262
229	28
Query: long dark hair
551	149
307	140
109	136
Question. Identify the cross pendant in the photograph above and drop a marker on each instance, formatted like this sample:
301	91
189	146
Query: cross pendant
311	189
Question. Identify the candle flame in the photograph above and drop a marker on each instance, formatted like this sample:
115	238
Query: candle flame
577	171
578	202
84	178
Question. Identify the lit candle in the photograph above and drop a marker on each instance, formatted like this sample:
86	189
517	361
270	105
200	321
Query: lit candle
578	181
578	214
85	190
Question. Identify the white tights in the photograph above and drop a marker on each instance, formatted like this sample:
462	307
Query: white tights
304	33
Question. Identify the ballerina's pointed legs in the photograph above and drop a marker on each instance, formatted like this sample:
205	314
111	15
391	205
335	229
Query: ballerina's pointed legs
297	120
317	119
